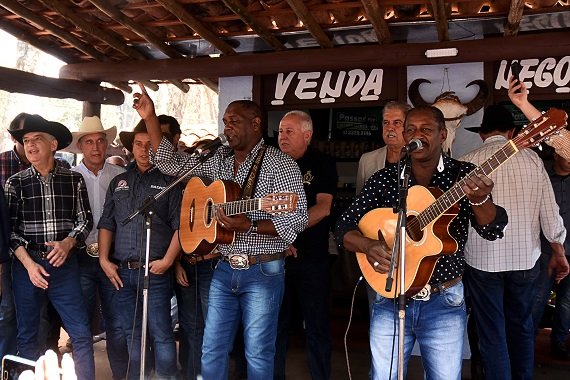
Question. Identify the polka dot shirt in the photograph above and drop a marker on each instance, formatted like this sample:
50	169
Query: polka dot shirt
381	190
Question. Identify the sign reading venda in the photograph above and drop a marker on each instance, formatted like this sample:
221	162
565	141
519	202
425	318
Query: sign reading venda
350	86
541	76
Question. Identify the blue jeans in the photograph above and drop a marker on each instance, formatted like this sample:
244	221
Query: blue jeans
8	326
253	296
93	279
192	312
561	321
542	287
64	292
502	307
438	325
130	298
307	281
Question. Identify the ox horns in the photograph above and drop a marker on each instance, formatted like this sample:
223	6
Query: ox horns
472	106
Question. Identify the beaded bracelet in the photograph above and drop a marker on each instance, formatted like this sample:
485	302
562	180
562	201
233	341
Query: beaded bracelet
480	203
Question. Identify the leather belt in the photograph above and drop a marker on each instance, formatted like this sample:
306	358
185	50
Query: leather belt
194	259
424	294
244	261
131	265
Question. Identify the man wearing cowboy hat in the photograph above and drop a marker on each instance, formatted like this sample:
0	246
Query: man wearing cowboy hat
50	216
560	179
500	276
12	162
92	141
125	265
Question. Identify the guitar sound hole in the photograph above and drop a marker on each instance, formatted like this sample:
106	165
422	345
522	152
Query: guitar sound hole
209	212
413	229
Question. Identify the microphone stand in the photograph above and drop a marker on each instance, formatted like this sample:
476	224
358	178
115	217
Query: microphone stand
147	208
399	254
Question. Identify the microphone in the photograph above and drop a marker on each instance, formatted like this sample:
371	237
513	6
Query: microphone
414	144
212	145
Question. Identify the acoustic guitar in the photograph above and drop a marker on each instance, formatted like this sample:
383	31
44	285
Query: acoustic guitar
200	232
430	211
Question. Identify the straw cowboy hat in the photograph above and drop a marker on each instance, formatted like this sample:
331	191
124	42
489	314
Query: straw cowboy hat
36	123
561	143
128	137
89	125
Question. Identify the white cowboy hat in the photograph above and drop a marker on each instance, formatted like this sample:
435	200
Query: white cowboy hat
89	125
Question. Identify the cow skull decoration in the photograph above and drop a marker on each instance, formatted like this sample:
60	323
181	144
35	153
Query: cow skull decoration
451	107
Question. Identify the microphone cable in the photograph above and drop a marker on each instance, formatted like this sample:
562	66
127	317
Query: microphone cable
348	327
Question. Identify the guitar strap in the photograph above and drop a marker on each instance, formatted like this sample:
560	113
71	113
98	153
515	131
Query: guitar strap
253	175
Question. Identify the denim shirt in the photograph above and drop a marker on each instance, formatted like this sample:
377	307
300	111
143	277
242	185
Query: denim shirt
125	194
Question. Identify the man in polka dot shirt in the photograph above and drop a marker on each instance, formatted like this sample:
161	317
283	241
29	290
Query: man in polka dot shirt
437	321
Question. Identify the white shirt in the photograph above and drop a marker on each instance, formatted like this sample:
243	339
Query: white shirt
97	189
523	188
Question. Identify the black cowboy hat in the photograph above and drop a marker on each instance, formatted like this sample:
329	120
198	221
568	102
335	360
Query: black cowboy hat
36	123
128	137
496	118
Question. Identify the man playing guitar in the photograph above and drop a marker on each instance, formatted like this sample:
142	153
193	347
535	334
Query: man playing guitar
436	317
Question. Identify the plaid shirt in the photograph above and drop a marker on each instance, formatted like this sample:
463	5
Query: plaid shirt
11	164
278	173
47	209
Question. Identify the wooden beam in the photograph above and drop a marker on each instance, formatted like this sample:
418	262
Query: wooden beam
13	80
514	18
310	23
340	58
438	10
375	14
239	9
212	85
192	22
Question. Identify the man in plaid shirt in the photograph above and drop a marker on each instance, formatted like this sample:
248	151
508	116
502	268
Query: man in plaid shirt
50	215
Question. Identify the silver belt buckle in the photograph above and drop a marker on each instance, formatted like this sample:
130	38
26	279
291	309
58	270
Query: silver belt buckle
238	261
424	294
92	250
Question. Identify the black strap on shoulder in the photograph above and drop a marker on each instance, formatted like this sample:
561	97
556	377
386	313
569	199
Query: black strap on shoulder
251	180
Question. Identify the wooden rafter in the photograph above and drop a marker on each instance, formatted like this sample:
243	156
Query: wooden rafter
310	23
239	9
102	35
375	14
440	17
13	80
65	36
192	22
514	18
145	33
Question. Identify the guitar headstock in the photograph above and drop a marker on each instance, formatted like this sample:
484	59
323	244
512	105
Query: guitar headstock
278	203
546	125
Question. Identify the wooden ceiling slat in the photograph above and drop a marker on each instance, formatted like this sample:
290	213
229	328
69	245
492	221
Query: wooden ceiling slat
192	22
340	58
239	9
310	23
514	18
375	14
438	11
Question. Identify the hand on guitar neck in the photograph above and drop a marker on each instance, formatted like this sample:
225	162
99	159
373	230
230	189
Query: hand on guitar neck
236	223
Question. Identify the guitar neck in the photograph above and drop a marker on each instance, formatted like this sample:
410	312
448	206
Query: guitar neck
240	207
454	195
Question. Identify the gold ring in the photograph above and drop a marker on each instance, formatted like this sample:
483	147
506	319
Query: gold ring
476	188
